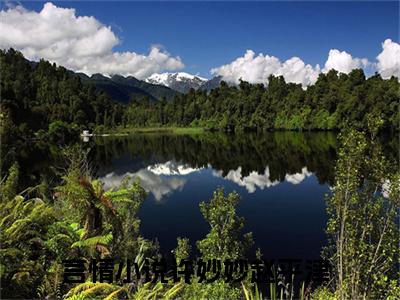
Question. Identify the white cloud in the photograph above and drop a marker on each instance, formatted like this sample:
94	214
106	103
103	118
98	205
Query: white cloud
343	62
389	59
80	43
296	71
257	69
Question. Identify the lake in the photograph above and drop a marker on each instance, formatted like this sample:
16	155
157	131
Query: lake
282	178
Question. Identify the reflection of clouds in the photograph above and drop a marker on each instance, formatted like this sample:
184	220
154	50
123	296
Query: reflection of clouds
250	182
386	188
159	186
298	177
172	168
156	179
255	180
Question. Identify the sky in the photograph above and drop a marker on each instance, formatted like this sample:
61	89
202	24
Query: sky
295	39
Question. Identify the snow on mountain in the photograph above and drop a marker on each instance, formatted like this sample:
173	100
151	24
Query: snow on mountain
180	81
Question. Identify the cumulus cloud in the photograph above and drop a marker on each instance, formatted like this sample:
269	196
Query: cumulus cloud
80	43
389	59
343	62
257	69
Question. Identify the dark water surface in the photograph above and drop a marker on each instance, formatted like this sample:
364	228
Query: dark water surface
281	177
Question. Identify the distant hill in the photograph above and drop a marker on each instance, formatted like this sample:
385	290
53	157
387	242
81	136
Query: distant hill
211	84
183	82
180	81
122	89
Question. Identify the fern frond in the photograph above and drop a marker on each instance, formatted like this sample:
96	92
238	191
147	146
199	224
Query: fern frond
114	294
79	288
174	290
94	241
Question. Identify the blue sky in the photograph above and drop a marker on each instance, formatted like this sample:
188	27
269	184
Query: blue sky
209	34
235	40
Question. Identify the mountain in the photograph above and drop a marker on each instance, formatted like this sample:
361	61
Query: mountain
122	89
181	82
211	84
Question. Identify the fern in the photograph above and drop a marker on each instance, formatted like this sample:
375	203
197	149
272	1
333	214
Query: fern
94	241
89	290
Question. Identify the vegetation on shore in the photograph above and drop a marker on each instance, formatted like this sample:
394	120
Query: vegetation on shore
44	101
43	225
132	130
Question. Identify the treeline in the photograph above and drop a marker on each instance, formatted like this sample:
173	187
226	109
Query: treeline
335	101
41	97
48	101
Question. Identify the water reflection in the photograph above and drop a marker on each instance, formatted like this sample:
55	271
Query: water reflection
172	168
283	152
256	180
158	179
282	178
163	178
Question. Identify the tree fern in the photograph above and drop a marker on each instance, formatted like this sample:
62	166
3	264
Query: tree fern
89	290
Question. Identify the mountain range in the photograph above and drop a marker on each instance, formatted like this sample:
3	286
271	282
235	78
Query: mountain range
156	87
181	82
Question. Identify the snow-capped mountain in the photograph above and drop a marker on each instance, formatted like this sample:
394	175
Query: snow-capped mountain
181	81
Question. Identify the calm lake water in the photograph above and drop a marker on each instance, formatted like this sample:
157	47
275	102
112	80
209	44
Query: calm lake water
282	178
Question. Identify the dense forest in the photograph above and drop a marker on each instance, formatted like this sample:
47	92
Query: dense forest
334	102
37	98
70	215
43	100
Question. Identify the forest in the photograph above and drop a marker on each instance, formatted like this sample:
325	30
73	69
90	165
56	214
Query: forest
45	221
43	100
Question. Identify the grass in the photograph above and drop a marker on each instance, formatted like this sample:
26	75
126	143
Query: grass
173	130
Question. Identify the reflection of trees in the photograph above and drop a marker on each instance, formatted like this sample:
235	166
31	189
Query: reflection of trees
283	152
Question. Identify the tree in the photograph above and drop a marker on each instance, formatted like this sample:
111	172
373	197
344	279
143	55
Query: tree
224	240
362	224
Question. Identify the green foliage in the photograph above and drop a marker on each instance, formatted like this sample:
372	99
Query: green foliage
216	290
9	184
323	293
84	220
108	218
36	95
90	290
42	96
224	239
362	224
61	132
335	101
24	262
182	250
